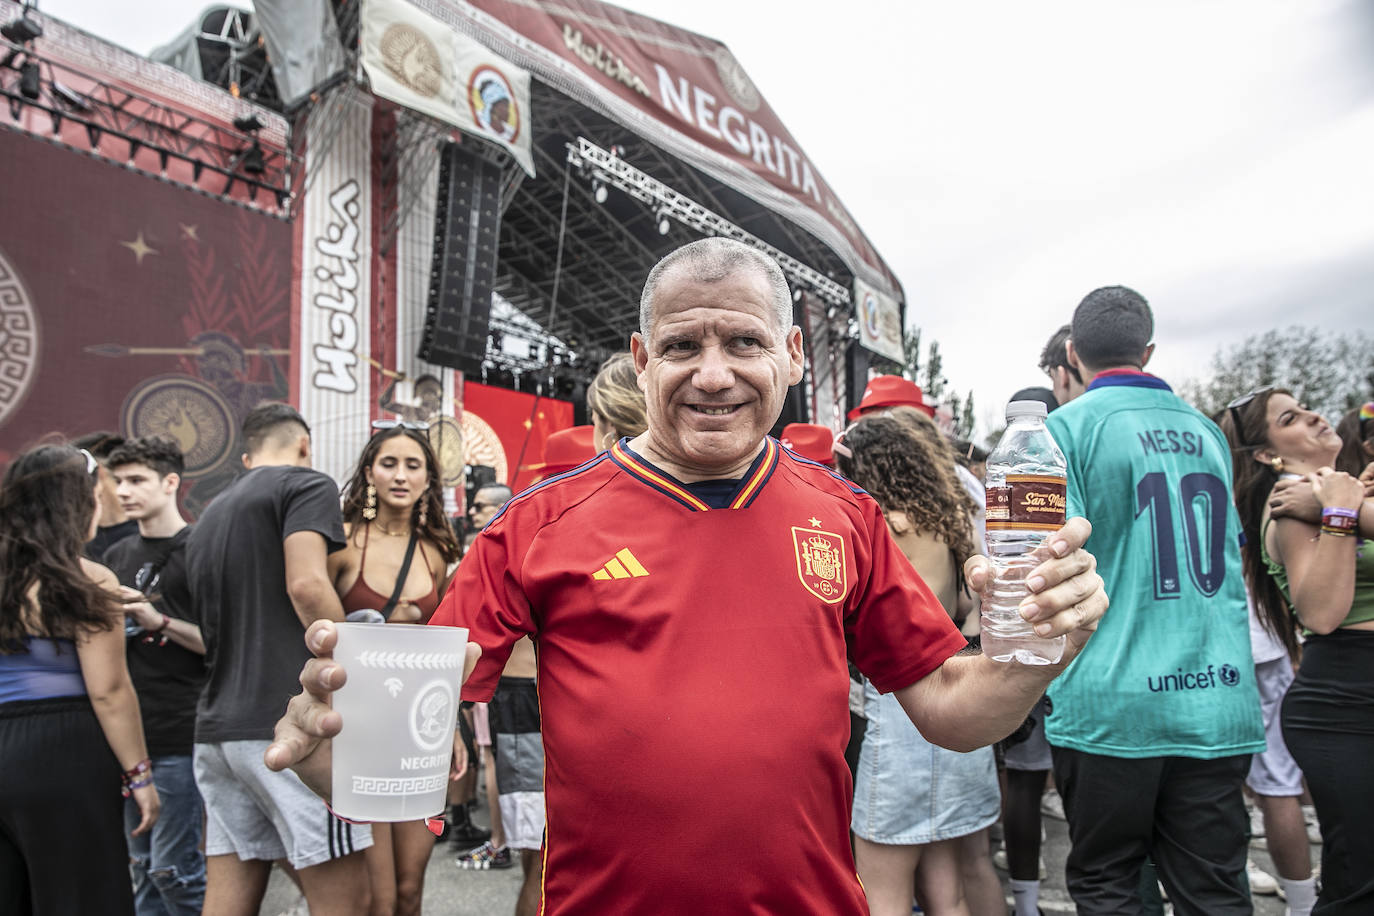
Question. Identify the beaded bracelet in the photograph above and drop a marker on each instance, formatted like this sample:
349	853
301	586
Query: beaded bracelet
1336	532
129	787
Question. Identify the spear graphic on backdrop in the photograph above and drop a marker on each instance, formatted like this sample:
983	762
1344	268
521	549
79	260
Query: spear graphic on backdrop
116	350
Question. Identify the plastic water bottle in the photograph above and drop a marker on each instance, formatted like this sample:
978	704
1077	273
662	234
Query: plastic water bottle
1026	480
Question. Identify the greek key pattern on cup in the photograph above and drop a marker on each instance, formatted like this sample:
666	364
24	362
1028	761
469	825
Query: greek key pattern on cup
374	659
408	785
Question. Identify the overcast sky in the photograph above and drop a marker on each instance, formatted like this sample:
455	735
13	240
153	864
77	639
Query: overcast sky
1006	158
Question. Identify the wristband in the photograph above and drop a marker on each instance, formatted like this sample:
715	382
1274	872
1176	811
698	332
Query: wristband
1336	532
129	787
143	766
165	620
1338	518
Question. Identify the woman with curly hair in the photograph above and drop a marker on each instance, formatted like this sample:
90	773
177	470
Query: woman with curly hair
1318	572
69	720
913	801
400	549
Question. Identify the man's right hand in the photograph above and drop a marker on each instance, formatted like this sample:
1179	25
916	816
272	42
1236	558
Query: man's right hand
302	737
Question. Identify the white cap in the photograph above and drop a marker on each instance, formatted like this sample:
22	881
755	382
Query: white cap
1026	409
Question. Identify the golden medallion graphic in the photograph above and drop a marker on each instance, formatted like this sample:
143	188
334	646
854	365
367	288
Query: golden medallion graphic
18	340
446	437
820	563
187	410
482	446
411	57
735	80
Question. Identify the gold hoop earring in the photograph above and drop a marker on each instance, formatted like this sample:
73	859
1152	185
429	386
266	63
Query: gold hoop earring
1277	464
424	512
370	507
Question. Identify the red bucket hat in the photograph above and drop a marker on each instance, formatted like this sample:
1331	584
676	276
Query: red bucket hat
565	450
891	391
810	441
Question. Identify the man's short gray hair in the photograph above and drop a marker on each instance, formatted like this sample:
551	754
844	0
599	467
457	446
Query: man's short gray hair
711	260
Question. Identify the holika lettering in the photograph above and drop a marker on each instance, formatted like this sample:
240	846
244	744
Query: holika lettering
338	359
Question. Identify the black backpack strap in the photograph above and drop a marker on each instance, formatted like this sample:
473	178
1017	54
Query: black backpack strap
400	577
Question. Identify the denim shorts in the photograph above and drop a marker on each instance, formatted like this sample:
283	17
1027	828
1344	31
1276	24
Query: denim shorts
908	791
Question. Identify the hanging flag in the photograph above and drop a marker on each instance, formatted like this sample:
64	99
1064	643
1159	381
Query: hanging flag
417	61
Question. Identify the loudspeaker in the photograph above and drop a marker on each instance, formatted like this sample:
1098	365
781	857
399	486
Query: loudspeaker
467	224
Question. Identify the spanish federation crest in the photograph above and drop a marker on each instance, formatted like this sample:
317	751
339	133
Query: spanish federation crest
820	563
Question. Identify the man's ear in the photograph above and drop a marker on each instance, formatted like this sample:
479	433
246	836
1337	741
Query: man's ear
639	352
171	483
303	449
796	356
247	460
1149	351
1071	354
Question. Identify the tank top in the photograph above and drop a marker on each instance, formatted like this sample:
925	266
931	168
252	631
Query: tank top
45	671
1361	608
361	596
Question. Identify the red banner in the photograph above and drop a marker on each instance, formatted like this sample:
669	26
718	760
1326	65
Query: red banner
505	430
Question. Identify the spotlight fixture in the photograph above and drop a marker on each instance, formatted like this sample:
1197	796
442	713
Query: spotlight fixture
252	161
69	97
248	123
30	84
599	192
664	224
22	30
796	295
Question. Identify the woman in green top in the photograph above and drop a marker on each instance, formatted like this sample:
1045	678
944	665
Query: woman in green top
1310	566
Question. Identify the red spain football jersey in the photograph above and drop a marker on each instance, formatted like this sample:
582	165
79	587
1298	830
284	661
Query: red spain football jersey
692	678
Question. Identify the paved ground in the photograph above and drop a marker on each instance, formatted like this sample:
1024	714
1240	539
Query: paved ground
452	892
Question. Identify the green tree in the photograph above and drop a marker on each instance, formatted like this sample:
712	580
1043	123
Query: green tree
934	384
1329	371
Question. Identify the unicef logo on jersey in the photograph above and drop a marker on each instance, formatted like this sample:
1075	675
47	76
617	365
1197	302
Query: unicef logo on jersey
1223	676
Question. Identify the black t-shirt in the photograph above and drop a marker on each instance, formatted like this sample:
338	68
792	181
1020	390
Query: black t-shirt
105	538
255	643
167	677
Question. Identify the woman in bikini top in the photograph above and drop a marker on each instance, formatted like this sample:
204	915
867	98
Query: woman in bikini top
394	495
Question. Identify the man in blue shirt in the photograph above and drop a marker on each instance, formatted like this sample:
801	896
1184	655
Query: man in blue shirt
1153	724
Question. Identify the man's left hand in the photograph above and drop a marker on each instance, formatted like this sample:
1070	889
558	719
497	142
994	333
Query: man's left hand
1066	594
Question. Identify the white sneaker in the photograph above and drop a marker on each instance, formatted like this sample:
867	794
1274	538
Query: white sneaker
1314	830
1256	823
1051	805
999	859
1261	882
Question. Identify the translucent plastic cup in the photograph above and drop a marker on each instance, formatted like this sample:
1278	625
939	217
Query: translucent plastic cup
400	711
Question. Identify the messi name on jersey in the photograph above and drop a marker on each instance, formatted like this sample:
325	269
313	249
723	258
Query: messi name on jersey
1170	441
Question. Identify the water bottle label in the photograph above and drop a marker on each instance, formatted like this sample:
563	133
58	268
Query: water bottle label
1028	502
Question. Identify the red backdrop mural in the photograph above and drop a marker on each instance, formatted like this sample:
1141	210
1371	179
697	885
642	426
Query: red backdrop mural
505	430
129	304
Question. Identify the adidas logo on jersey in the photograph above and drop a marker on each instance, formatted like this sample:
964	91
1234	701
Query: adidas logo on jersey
622	566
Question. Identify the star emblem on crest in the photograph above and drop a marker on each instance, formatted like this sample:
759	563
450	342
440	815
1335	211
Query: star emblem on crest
815	522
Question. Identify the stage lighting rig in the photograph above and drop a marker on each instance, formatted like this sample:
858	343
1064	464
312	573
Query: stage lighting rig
22	30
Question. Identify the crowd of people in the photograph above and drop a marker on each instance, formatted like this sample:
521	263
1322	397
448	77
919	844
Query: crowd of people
711	671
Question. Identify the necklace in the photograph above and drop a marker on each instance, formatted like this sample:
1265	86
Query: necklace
383	529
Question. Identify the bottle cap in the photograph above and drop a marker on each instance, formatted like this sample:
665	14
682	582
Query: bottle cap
1026	409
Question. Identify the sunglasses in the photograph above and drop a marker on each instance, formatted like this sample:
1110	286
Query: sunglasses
92	466
479	506
1235	407
403	424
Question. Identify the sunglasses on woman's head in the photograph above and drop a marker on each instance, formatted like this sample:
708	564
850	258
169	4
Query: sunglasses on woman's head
403	424
1235	407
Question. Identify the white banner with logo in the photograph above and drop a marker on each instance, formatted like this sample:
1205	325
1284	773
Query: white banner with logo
880	321
417	61
335	279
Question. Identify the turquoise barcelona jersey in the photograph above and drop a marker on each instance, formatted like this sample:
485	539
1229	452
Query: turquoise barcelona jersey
1168	672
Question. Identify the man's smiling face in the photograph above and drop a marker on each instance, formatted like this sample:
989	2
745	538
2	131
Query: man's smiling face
714	370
